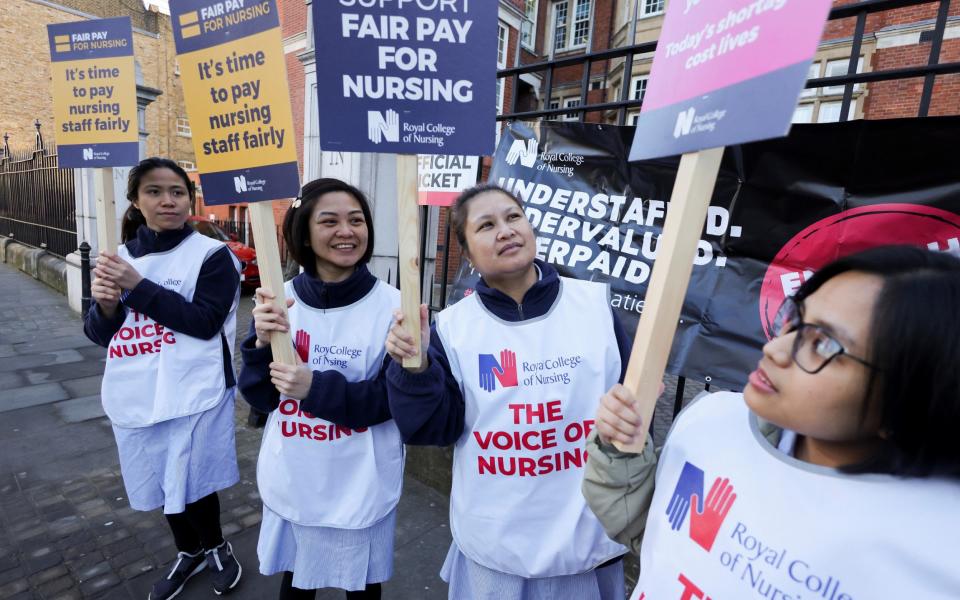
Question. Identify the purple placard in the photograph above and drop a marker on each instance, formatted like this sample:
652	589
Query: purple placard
406	77
96	156
252	184
85	40
726	72
201	24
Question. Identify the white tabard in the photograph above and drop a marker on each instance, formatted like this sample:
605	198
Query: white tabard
311	471
777	528
153	373
531	390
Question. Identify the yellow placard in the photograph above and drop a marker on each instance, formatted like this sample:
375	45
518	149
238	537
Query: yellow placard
95	101
238	103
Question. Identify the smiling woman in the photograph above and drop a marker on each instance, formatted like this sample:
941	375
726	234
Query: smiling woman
340	313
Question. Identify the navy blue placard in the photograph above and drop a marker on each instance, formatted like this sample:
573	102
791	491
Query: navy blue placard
96	156
102	38
200	24
251	185
366	105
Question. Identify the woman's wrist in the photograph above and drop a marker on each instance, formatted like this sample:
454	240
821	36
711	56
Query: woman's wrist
423	366
108	311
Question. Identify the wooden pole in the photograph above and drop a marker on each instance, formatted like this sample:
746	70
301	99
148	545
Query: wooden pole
408	217
106	209
271	274
692	192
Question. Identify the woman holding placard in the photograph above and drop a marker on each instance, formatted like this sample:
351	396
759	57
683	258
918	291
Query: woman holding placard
836	473
510	375
165	307
331	463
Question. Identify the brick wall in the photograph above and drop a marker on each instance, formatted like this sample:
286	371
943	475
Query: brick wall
26	77
143	19
844	27
567	81
456	253
25	70
293	27
158	63
901	98
293	21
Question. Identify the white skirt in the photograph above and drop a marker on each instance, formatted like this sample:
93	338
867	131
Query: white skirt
327	557
176	462
470	580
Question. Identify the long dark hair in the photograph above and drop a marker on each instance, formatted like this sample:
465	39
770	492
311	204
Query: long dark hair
915	343
296	223
133	218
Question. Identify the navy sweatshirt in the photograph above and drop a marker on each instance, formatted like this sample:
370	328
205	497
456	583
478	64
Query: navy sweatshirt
217	286
428	407
352	404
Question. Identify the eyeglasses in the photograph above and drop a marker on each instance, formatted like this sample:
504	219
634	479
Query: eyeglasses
813	346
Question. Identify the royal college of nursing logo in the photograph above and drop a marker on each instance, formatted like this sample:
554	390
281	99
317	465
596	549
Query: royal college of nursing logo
524	151
242	185
706	513
383	126
684	122
689	121
504	371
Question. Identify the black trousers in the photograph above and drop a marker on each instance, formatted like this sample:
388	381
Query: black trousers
198	526
288	592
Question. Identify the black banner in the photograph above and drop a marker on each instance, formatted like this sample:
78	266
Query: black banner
781	210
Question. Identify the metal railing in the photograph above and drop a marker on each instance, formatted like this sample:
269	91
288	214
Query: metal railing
37	200
858	10
683	390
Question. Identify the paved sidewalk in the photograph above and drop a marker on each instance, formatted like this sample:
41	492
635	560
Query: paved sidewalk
66	530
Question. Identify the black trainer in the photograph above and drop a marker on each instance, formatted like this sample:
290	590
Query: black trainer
225	567
185	567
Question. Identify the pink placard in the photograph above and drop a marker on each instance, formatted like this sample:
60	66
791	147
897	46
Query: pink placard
706	45
437	198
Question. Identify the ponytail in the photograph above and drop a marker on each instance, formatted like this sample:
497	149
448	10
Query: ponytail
132	220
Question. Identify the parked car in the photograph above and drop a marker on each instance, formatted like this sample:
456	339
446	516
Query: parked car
250	274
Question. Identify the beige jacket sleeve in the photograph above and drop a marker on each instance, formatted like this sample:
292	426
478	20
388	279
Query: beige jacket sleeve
619	486
619	489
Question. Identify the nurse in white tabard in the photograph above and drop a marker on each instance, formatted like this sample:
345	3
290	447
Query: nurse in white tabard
511	378
331	463
165	308
834	476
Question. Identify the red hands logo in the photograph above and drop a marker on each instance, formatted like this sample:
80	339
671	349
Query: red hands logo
505	371
302	342
507	374
705	525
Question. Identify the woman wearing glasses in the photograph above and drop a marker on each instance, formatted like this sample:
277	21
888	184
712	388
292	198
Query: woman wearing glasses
835	475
